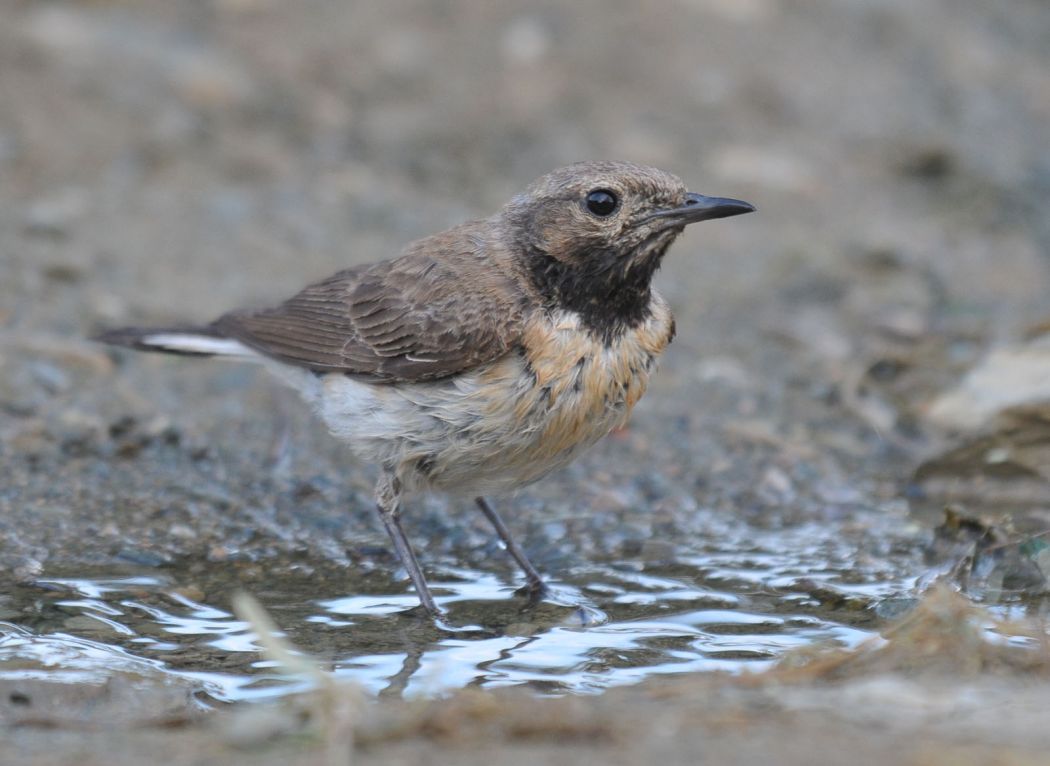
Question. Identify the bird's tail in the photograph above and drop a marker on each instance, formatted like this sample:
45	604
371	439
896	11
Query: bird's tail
187	341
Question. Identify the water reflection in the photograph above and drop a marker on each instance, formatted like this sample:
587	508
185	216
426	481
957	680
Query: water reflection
727	609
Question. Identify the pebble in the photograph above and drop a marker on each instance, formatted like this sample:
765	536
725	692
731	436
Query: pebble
51	377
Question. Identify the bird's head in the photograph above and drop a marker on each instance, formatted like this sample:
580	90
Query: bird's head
593	234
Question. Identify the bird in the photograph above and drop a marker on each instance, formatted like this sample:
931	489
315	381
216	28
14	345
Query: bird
482	358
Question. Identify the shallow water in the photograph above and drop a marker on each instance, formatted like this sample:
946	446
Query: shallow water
736	605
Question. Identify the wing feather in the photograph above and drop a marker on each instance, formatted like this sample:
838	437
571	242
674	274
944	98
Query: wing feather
443	307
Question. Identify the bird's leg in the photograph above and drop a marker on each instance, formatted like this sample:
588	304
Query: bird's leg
388	502
533	581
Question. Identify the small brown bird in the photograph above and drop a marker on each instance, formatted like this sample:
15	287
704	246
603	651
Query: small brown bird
487	356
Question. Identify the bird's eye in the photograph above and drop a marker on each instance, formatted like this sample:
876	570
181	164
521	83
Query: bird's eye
602	202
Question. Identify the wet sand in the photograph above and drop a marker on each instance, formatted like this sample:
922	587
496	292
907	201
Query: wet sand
167	161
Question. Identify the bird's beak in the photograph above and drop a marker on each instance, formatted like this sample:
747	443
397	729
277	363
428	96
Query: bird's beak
697	207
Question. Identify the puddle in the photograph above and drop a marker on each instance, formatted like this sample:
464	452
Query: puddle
734	606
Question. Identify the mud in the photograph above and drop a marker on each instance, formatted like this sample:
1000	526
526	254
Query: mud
166	161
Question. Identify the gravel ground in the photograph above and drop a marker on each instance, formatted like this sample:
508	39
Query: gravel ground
166	161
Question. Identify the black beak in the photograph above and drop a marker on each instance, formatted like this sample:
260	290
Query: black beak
697	207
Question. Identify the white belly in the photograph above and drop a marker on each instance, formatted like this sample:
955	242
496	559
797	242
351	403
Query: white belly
505	424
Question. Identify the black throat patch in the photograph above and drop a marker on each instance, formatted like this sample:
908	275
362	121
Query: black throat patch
609	295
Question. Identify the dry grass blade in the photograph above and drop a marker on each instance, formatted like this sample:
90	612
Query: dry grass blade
335	706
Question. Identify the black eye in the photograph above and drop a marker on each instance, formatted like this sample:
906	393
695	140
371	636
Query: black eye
602	202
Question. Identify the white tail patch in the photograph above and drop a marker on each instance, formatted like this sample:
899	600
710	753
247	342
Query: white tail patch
200	344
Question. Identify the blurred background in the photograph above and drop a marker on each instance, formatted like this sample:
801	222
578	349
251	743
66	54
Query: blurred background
167	160
176	158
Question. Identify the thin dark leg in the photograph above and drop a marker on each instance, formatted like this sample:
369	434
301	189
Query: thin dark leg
532	578
398	682
389	506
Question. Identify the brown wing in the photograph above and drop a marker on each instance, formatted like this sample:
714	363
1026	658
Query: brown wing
441	308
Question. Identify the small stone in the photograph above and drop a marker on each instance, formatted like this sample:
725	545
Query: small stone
142	557
183	531
51	377
1007	377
